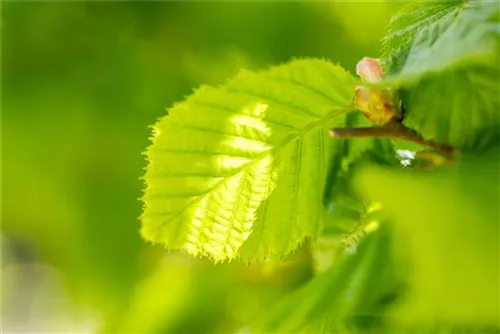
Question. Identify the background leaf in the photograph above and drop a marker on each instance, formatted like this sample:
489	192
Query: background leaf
446	222
350	288
449	80
403	27
239	170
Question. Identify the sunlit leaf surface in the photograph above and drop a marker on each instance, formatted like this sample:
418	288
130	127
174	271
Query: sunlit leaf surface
239	170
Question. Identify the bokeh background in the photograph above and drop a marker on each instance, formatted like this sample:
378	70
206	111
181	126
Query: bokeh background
80	84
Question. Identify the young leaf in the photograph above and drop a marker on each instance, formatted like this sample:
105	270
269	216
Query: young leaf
238	171
469	38
403	27
450	78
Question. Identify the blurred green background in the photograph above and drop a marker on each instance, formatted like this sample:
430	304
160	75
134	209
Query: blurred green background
81	83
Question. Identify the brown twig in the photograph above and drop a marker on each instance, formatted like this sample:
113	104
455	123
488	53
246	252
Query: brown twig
393	130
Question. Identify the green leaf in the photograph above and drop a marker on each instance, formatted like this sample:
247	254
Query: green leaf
353	284
347	229
447	222
450	78
466	115
346	213
348	153
238	171
456	41
403	27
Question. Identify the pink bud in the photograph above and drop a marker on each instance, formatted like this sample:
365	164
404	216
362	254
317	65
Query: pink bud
369	69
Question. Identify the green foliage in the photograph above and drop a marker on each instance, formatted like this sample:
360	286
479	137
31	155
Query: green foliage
455	248
353	285
403	27
238	170
450	78
246	170
373	242
81	83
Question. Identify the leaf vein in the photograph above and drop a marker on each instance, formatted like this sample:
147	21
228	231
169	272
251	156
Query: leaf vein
243	168
232	112
285	104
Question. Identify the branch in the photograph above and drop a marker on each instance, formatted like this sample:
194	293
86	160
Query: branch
393	130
